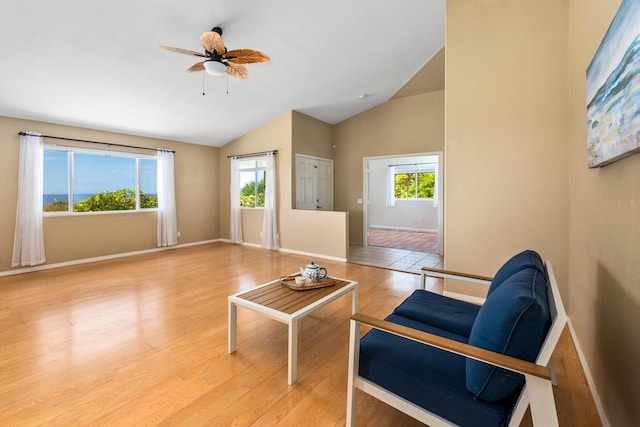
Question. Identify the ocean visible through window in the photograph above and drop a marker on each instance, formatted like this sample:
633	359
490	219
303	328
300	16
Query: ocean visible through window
97	181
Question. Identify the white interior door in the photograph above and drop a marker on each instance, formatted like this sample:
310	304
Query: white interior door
324	185
305	183
314	183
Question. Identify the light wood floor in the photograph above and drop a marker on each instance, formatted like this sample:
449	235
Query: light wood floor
143	341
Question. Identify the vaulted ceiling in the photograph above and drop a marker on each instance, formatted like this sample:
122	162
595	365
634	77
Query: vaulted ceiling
98	64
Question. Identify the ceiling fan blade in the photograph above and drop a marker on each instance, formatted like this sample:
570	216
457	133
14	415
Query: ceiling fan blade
246	56
196	67
237	71
213	42
183	51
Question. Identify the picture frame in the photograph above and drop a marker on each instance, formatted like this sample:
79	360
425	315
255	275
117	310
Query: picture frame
613	90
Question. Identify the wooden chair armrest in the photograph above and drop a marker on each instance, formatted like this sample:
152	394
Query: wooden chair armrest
477	353
436	272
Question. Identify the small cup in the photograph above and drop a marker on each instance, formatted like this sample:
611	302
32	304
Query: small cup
300	281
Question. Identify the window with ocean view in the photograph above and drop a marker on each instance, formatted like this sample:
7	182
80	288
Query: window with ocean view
97	181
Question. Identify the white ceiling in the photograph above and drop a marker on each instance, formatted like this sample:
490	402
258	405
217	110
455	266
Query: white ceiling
97	64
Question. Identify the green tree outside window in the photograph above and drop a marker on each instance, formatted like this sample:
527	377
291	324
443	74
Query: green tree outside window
119	200
414	185
249	193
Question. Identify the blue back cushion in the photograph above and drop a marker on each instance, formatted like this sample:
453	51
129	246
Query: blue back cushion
518	262
514	320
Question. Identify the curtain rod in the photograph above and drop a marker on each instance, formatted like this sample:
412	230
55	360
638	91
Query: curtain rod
414	164
261	153
98	142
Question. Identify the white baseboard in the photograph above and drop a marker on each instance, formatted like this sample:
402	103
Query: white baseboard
146	251
101	258
293	251
587	373
313	255
418	230
252	245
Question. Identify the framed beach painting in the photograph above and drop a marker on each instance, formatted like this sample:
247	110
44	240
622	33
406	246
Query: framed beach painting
613	90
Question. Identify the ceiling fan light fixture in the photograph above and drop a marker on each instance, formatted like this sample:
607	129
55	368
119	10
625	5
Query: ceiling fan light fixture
215	68
217	60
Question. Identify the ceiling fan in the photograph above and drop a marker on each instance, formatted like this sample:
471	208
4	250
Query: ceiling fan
218	60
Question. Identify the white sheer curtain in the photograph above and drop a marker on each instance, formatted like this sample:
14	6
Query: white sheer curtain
28	240
167	224
270	221
235	234
435	186
390	193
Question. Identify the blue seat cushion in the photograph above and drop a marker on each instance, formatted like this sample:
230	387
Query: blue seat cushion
514	320
518	262
437	310
426	376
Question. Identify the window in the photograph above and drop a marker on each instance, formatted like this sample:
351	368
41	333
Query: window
97	181
414	184
252	182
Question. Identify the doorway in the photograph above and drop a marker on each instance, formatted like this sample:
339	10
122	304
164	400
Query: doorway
401	217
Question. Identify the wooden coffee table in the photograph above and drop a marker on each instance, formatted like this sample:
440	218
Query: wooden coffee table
288	306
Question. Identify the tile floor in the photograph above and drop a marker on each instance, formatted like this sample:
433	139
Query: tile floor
394	259
404	239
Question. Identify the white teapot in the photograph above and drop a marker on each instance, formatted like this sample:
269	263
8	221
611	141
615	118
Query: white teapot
314	272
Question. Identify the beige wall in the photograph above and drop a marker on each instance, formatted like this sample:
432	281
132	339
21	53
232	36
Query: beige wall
519	121
70	238
401	126
311	232
506	151
604	239
310	137
275	135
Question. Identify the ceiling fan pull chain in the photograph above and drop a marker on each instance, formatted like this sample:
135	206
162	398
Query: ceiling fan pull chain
202	84
227	84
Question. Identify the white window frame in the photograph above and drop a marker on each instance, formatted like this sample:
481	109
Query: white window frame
255	170
97	152
415	170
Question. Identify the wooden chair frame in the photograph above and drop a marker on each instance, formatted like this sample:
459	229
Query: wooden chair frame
536	393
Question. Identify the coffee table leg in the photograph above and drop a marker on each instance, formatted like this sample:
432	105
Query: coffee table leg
233	325
293	351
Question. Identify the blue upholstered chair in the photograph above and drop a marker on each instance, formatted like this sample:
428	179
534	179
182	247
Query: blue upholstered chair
448	362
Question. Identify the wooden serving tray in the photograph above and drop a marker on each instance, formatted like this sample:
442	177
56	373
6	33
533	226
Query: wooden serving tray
290	282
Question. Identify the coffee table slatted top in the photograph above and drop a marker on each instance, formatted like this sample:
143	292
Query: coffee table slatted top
278	297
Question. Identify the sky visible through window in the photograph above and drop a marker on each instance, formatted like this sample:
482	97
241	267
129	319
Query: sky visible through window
96	173
252	177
